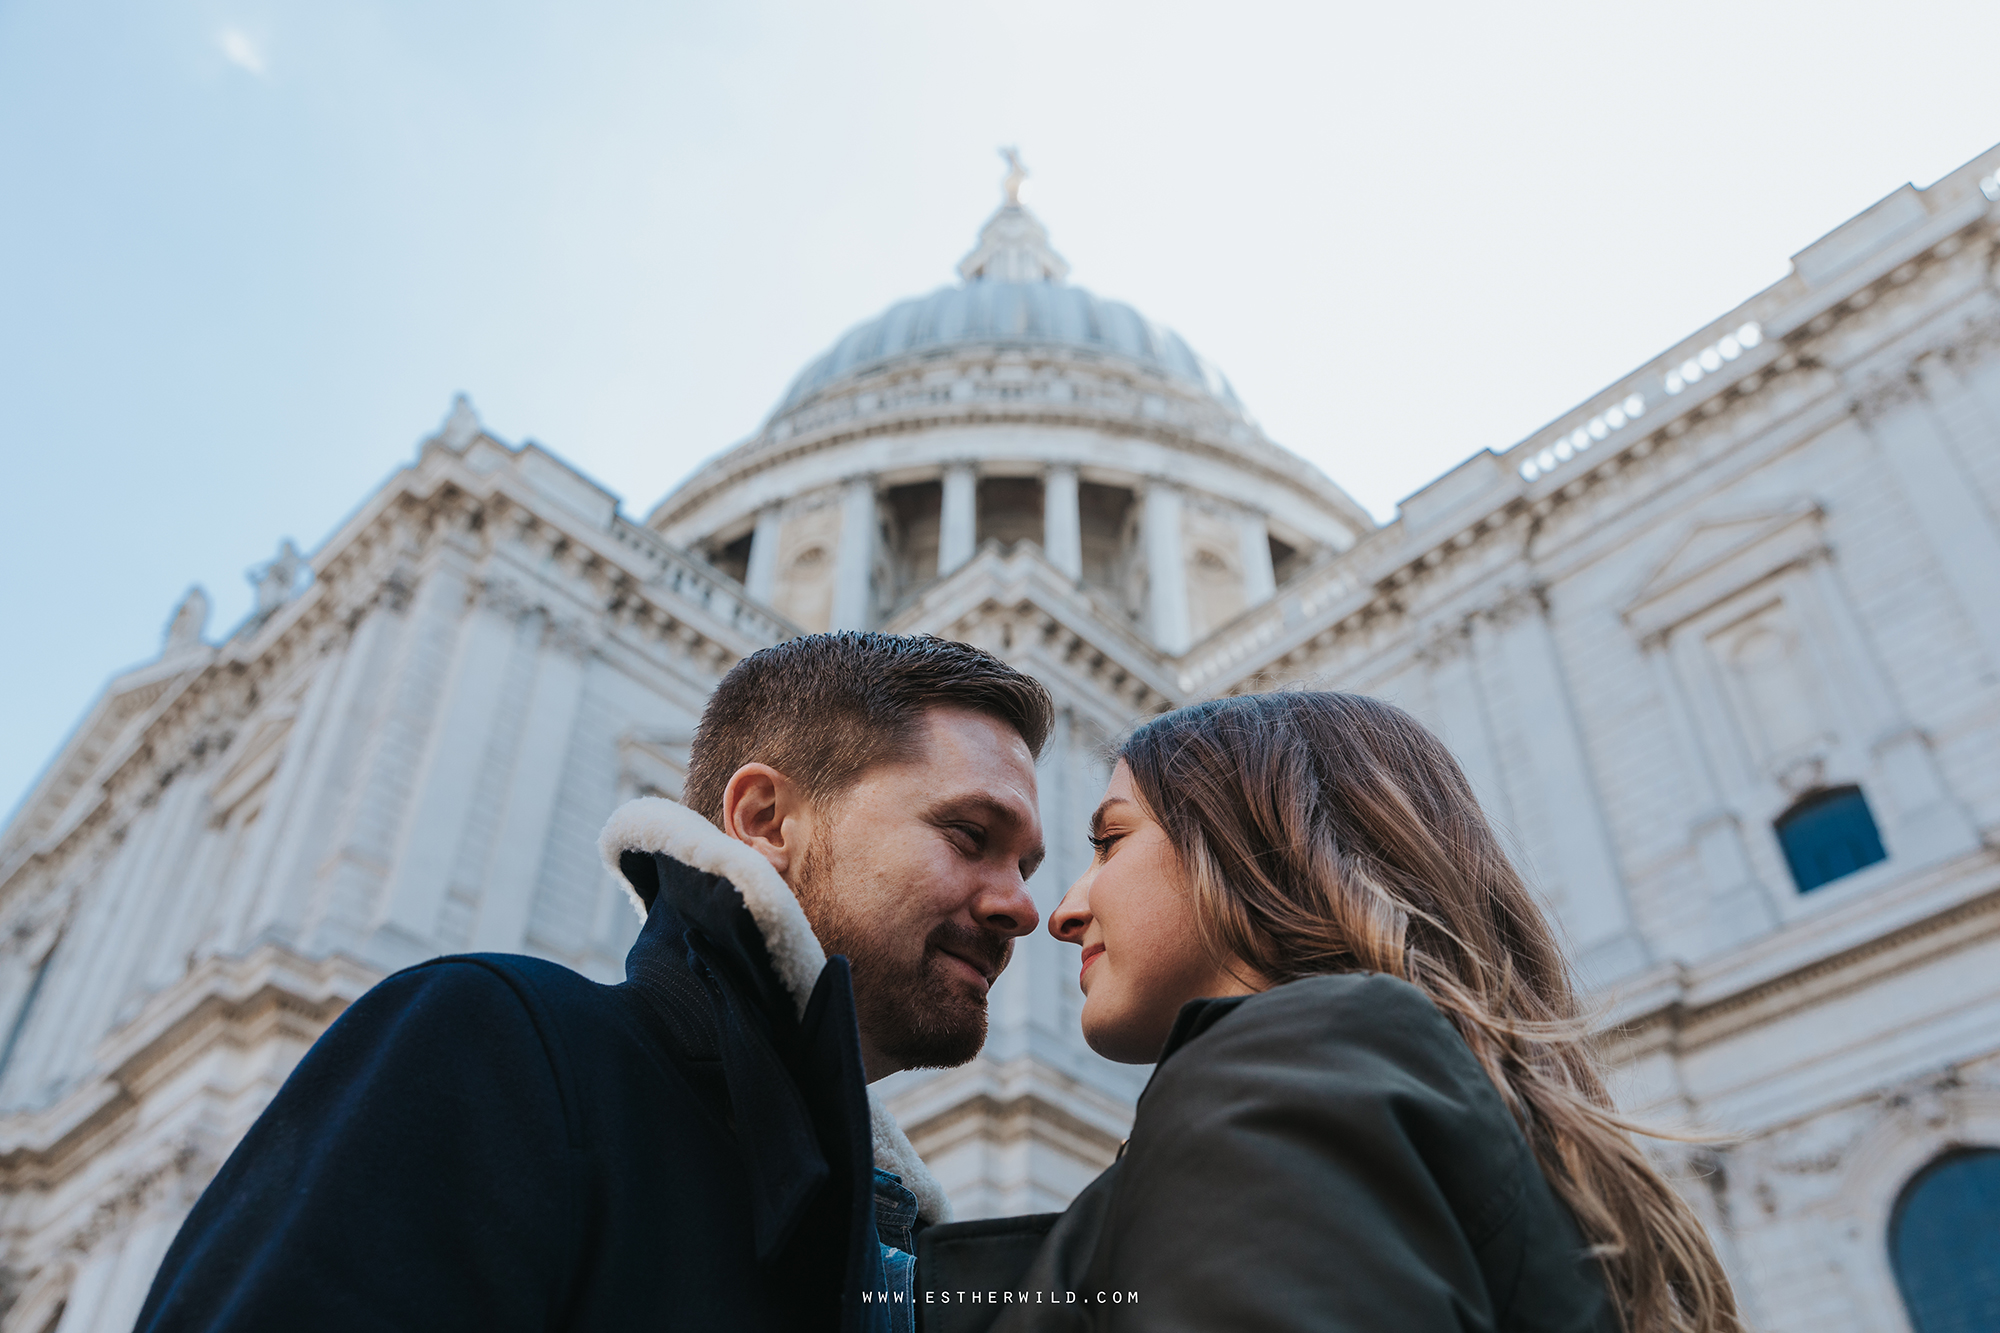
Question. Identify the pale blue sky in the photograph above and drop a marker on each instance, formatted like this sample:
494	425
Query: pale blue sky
249	250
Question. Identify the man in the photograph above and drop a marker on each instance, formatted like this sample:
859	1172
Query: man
496	1143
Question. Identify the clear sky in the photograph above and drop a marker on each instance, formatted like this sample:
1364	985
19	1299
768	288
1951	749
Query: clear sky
249	249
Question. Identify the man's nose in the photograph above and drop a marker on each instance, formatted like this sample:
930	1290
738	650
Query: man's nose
1007	909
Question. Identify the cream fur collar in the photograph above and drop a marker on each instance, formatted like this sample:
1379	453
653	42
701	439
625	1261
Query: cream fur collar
653	824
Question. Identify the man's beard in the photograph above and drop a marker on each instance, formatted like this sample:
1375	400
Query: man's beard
923	1017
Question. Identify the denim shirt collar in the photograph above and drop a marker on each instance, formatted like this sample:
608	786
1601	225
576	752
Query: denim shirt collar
895	1212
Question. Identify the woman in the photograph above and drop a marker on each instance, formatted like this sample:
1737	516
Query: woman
1375	1107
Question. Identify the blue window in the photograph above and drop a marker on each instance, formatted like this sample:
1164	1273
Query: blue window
1943	1240
1829	834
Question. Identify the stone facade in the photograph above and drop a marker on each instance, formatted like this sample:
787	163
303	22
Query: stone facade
1763	567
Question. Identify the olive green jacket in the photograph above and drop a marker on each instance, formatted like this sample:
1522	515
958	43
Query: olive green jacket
1326	1155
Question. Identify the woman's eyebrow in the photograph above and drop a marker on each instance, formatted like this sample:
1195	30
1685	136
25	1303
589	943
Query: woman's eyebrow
1097	815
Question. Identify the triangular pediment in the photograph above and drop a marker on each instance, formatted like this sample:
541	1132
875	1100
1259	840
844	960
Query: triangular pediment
1021	608
1703	547
127	704
1717	556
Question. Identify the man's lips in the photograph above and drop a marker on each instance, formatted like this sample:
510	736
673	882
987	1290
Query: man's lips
1091	953
972	970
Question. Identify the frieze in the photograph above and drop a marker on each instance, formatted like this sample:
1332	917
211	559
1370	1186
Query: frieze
1091	397
1440	644
174	1173
1696	1025
1882	394
1515	604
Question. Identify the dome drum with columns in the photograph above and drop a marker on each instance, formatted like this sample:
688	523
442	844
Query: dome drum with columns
1010	408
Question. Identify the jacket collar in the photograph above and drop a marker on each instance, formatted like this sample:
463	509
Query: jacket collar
792	955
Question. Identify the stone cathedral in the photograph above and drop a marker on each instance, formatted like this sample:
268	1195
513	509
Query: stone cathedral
1719	649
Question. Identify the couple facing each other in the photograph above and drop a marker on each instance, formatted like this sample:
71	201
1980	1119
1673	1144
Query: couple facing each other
1374	1107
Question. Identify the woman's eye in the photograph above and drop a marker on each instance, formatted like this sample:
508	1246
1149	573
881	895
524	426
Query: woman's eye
1103	844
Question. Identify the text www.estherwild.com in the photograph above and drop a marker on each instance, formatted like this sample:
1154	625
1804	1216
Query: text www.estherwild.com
1003	1297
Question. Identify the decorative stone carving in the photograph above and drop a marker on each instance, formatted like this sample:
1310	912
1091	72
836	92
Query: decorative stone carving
190	618
276	578
461	426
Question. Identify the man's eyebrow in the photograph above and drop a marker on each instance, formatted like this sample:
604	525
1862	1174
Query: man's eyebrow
975	803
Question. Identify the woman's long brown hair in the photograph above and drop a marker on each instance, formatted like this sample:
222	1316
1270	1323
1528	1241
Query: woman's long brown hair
1332	833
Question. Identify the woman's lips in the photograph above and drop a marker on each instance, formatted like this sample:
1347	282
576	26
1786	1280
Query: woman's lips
1091	954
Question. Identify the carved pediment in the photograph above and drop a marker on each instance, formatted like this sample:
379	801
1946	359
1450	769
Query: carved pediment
1719	557
127	704
1017	605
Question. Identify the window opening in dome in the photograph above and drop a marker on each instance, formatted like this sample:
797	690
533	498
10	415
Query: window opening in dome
910	516
1942	1239
1010	510
732	558
1286	560
1107	518
1828	835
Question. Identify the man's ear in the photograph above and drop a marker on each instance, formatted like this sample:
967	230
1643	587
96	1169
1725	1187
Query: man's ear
765	809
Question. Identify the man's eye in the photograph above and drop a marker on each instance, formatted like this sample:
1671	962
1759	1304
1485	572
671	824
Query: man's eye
972	834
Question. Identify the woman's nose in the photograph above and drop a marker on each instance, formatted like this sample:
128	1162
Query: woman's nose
1072	915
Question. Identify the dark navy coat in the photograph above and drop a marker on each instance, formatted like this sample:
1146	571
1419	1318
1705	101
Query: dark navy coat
497	1143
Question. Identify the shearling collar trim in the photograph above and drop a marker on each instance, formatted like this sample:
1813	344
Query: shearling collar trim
654	824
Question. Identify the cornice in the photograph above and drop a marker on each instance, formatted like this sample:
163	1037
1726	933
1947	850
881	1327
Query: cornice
233	1002
1682	1009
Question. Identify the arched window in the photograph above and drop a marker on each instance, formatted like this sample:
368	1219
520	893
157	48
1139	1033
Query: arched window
1829	834
1943	1239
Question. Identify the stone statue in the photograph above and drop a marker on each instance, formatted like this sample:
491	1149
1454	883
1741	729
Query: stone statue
1016	173
275	579
461	427
190	619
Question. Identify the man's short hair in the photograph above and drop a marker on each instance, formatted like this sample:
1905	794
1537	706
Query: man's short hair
823	708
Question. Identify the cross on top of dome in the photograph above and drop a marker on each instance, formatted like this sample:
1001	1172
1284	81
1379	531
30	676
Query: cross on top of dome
1013	245
1016	173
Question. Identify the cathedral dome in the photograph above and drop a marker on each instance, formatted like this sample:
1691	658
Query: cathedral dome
999	313
1018	410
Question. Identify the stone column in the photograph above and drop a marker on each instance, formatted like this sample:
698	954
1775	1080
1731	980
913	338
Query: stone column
1740	906
1926	821
1166	567
322	736
761	579
856	560
1461	710
1960	534
1590	893
467	716
1062	521
958	517
521	836
1259	581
